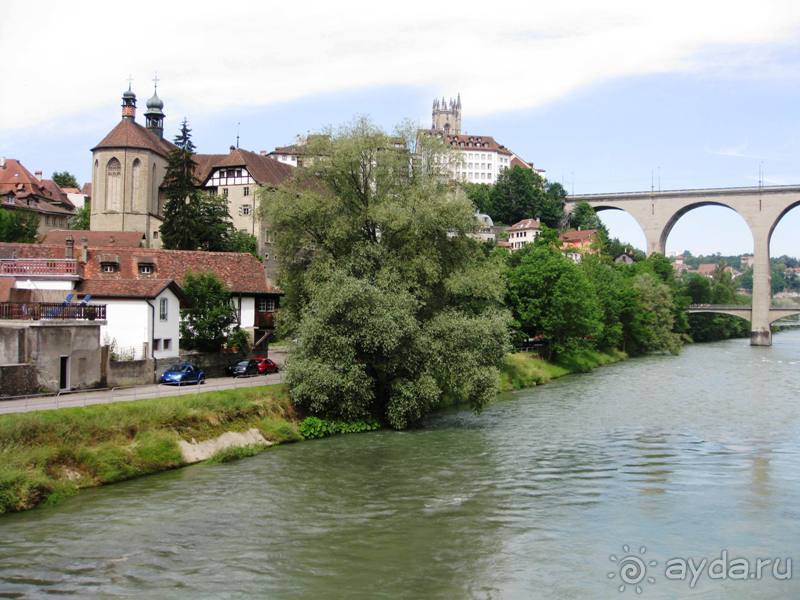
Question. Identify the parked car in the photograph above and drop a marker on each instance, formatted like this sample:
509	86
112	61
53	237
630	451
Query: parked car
181	373
266	366
245	368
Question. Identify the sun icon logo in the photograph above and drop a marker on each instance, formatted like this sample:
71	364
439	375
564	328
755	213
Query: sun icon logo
632	569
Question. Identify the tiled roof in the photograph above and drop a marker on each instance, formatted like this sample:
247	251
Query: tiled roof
58	237
30	193
240	272
87	189
526	224
582	235
481	143
265	170
706	268
59	195
126	288
129	134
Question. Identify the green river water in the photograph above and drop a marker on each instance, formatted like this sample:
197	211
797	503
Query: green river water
681	457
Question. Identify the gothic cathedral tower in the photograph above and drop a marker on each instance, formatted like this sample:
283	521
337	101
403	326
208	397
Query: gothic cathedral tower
447	116
128	166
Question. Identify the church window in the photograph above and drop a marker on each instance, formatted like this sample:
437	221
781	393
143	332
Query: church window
136	173
114	185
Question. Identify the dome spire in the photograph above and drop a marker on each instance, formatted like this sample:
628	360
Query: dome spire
129	102
154	115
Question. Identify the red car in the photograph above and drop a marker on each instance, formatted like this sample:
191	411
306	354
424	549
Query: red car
266	366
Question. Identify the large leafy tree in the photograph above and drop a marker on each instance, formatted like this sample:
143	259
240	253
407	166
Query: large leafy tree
517	194
193	220
210	316
18	226
552	297
378	273
65	179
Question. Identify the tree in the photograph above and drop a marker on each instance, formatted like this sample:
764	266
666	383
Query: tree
377	269
81	218
517	194
481	196
241	241
208	320
193	220
551	211
550	296
18	226
651	326
584	217
65	179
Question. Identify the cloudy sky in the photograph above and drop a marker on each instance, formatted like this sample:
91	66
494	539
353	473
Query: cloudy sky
606	96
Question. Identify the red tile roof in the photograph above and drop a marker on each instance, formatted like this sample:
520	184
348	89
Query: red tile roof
576	236
265	170
58	237
240	272
126	288
465	141
706	268
129	134
29	192
526	224
87	189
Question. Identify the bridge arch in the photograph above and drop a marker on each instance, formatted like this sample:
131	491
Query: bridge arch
628	219
672	220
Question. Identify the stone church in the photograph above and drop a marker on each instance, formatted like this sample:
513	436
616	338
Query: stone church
128	166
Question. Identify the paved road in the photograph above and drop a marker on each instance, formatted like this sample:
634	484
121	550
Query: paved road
134	393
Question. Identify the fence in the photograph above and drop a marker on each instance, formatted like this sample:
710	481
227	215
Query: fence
38	266
50	310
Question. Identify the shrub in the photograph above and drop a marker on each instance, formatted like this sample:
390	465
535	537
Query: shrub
314	427
279	430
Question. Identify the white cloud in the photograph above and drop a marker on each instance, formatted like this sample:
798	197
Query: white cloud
67	58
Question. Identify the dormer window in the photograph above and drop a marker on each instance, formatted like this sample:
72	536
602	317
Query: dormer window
109	267
145	269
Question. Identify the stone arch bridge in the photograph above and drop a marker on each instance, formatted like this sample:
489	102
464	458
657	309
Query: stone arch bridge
762	208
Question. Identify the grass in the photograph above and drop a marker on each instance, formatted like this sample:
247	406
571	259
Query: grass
48	455
523	369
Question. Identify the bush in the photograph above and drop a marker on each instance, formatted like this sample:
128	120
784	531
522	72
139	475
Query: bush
279	430
314	427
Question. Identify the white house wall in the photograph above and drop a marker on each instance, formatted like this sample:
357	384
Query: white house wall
248	312
127	324
44	284
168	329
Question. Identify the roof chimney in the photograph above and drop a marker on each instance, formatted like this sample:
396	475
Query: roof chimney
38	175
84	250
2	162
233	148
69	251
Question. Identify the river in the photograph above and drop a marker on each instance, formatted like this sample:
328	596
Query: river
677	457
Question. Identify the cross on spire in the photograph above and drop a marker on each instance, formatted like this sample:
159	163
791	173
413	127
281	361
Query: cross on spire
130	82
155	81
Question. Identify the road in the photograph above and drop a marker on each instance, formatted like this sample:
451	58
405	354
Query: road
140	392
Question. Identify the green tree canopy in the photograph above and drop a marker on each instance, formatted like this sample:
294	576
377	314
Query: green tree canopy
65	179
208	320
81	219
18	226
378	273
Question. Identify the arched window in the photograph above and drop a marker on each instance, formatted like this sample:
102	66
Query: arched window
136	173
113	185
154	208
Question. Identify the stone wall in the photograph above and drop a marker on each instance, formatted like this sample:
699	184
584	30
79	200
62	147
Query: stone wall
18	380
126	373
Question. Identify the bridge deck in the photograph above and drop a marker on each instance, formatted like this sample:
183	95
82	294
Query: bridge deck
767	189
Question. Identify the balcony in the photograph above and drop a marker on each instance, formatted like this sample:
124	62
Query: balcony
40	267
34	311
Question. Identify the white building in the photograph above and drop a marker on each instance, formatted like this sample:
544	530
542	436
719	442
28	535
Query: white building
484	231
524	232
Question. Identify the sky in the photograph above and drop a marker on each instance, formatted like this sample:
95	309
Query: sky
609	96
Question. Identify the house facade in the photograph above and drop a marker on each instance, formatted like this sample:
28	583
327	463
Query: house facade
24	192
523	232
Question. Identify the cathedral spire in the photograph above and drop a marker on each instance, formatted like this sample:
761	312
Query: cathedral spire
154	115
129	103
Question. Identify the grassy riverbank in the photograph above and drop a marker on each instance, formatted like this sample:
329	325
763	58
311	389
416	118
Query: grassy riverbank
47	455
524	369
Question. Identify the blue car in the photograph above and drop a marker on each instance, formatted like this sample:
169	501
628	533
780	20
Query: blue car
181	373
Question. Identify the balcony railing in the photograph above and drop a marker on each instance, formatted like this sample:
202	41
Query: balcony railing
39	267
27	311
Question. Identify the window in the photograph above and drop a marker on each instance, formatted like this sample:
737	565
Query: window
245	209
155	235
167	343
113	185
266	304
145	269
246	191
108	267
156	344
224	192
163	310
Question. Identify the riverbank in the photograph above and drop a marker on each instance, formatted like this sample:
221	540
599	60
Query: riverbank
524	370
48	455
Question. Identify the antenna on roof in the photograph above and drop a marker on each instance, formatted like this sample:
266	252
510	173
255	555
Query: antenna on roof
761	174
237	134
659	178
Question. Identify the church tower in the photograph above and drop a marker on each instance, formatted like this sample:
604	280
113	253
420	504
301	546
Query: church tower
447	116
128	166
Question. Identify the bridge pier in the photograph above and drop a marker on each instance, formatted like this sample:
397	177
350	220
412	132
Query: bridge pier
760	332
